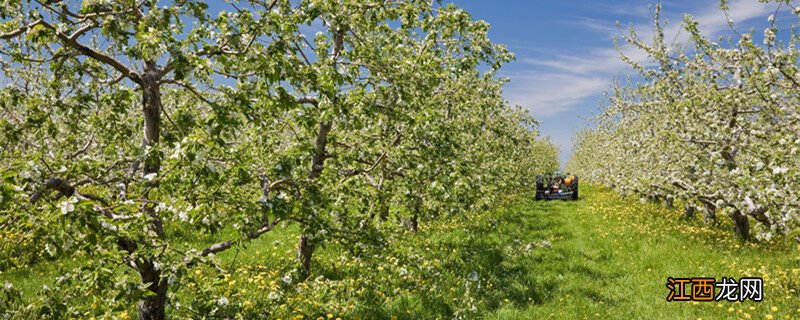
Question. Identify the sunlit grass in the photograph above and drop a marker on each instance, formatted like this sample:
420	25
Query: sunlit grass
617	254
600	257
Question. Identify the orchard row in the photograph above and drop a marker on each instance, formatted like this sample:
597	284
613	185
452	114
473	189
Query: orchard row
131	127
714	125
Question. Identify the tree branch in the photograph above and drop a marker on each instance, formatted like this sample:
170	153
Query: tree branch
192	90
309	100
225	245
21	30
320	153
71	41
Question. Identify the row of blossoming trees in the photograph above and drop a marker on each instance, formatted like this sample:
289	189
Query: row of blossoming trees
126	123
716	126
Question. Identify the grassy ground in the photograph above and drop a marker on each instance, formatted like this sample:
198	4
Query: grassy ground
611	258
600	257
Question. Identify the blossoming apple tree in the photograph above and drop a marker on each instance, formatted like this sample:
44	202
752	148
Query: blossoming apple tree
715	125
133	126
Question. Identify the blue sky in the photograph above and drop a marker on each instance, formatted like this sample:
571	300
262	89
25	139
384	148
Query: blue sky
566	57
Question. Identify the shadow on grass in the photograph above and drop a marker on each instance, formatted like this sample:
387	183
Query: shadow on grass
520	256
505	253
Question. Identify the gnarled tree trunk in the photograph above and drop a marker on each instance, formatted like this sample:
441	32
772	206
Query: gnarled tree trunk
414	222
741	225
710	213
383	207
688	211
152	307
305	251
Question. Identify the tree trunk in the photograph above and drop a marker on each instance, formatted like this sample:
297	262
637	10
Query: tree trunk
741	225
710	213
413	223
304	252
669	202
320	154
760	214
383	206
688	211
152	307
151	109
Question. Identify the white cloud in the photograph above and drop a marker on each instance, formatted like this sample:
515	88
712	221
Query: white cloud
558	82
550	83
553	93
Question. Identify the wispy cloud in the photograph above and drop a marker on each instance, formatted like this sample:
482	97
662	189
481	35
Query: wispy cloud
550	94
596	25
559	86
550	84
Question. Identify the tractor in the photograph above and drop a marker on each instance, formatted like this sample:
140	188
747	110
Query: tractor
556	186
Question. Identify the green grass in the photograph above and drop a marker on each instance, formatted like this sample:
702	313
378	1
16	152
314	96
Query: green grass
611	258
600	257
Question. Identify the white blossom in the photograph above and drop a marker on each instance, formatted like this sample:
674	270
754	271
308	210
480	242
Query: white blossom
108	226
779	170
68	205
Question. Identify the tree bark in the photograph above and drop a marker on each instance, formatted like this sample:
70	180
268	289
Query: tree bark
760	214
152	307
320	153
305	251
741	225
151	109
688	211
710	213
383	207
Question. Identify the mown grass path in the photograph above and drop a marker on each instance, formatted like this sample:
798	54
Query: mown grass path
610	259
602	257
